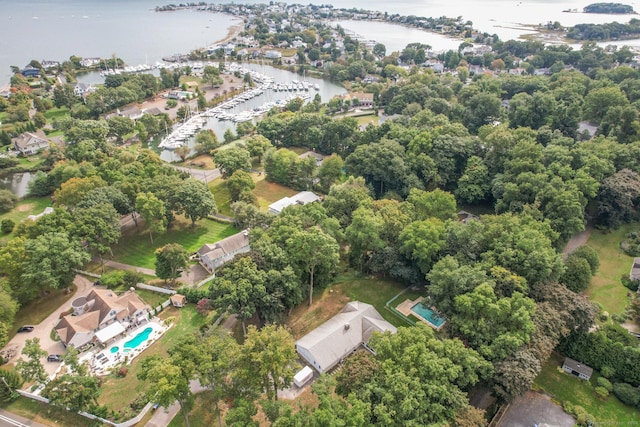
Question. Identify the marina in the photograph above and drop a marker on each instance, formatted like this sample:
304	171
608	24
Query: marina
251	104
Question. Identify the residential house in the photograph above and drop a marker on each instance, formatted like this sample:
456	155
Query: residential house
30	71
100	316
214	255
319	157
89	62
30	143
82	89
576	368
133	113
327	345
178	300
272	54
302	198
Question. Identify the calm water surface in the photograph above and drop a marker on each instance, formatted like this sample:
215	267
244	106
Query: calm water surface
130	29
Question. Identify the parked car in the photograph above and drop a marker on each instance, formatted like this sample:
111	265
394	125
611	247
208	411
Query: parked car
54	358
25	328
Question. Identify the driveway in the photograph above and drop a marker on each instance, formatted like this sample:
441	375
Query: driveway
535	408
43	330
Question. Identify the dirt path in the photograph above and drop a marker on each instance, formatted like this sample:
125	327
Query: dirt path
576	241
43	330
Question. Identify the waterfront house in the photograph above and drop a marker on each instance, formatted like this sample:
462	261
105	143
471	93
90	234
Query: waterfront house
214	255
576	368
302	198
30	143
133	113
272	54
82	89
327	345
89	62
30	71
100	316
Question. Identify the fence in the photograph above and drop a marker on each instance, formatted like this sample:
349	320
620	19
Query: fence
133	421
392	308
155	289
86	273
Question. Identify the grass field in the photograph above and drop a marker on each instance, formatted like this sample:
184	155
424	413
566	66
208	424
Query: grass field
135	247
221	195
269	192
56	113
117	392
26	207
46	414
606	289
567	388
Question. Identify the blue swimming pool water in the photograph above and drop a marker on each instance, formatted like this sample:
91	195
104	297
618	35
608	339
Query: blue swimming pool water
428	315
138	339
115	349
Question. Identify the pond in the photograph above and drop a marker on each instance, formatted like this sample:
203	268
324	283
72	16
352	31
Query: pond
17	183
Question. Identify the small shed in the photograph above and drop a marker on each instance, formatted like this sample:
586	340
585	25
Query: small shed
576	368
634	274
178	300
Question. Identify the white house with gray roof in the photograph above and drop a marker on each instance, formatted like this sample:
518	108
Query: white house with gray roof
214	255
302	198
338	337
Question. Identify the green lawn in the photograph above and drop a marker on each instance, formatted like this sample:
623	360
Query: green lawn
154	299
135	247
269	192
567	388
221	195
117	393
606	288
26	207
56	113
46	414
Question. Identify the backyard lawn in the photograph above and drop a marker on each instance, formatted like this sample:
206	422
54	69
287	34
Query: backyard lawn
26	207
56	114
349	286
269	192
135	247
116	392
606	288
221	195
564	387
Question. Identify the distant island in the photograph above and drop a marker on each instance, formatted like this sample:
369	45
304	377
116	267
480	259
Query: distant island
610	8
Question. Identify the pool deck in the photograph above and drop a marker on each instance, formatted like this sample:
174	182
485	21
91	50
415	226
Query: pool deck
101	361
405	308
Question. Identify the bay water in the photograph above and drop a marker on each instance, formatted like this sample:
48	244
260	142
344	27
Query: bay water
130	29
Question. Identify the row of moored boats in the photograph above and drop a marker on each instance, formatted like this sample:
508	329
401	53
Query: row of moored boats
227	110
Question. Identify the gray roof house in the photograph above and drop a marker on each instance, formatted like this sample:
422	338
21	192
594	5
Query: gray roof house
576	368
327	345
30	143
302	198
319	157
214	255
634	274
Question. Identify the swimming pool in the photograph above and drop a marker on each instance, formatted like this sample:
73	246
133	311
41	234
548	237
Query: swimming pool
138	339
428	315
114	349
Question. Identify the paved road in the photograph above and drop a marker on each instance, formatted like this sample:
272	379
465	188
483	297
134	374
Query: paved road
7	419
43	330
205	176
163	416
577	240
